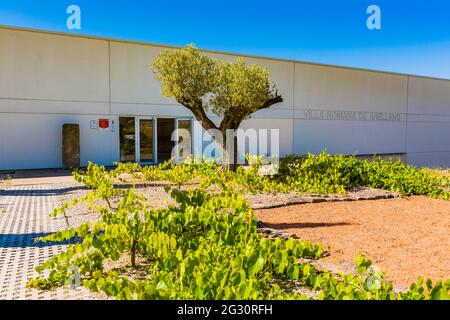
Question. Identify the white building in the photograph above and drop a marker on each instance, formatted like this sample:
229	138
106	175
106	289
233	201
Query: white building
49	79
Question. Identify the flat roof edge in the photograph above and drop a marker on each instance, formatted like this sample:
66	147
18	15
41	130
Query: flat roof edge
144	43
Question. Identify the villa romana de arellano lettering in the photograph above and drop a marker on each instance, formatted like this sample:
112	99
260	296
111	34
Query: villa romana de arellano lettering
351	115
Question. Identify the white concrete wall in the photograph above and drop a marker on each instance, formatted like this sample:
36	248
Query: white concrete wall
42	66
321	90
428	142
33	141
47	80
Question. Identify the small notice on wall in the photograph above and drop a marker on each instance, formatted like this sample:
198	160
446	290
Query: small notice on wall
94	124
103	123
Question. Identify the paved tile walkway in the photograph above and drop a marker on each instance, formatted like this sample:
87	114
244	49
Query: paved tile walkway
23	218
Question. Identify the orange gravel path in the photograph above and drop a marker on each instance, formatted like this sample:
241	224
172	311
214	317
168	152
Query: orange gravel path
406	237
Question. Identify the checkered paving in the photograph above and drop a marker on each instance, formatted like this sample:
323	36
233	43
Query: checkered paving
23	218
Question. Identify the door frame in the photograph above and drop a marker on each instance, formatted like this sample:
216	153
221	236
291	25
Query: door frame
177	160
137	122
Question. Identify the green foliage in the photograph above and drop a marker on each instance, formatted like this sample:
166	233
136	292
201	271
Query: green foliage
322	174
325	174
442	175
232	91
402	178
288	161
427	291
241	89
186	74
204	247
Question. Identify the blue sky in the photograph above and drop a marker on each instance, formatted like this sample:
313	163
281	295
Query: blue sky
415	35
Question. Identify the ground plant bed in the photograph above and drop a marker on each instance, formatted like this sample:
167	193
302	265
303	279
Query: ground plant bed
208	244
406	237
192	231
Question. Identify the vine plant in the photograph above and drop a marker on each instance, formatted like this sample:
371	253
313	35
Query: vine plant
205	246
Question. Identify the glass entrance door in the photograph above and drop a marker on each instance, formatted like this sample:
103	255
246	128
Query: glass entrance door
184	136
127	138
146	137
166	127
150	140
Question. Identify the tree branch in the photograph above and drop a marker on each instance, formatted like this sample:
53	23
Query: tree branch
270	102
199	113
225	122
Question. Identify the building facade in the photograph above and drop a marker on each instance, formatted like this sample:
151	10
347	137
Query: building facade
106	86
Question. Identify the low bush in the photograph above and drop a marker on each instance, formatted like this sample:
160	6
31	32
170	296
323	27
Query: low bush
322	174
325	173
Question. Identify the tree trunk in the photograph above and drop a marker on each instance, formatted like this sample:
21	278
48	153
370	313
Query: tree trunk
224	151
235	153
133	254
229	162
235	146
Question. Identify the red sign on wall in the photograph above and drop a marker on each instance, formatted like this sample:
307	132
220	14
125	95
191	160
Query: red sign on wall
103	123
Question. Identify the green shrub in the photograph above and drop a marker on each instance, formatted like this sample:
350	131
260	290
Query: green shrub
325	173
288	161
322	174
402	178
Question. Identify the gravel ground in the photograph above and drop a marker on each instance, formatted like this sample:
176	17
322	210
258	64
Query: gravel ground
158	198
406	237
268	201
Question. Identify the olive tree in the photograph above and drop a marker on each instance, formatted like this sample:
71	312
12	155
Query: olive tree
230	90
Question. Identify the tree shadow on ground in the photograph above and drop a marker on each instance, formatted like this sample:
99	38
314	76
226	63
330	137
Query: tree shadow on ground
304	225
30	240
39	192
62	191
